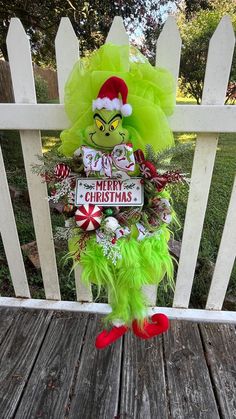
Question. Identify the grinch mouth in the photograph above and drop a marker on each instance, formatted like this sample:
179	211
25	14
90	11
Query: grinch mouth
102	146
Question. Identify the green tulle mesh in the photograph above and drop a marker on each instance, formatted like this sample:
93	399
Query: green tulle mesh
143	262
151	95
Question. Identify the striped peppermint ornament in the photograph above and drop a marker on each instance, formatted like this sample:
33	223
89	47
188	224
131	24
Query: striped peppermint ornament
148	170
88	217
61	171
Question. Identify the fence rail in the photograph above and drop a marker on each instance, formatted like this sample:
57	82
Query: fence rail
209	119
186	118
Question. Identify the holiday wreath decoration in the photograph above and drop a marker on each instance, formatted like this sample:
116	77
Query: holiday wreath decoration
113	178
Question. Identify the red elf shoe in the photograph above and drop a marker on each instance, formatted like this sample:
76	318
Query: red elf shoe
160	325
106	337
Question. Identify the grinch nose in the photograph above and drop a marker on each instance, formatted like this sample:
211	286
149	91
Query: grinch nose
107	134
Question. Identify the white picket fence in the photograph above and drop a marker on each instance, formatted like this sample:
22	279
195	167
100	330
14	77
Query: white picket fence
206	120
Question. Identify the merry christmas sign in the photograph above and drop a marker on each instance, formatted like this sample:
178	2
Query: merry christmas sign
109	192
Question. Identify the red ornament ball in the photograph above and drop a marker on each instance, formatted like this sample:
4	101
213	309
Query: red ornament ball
88	217
61	171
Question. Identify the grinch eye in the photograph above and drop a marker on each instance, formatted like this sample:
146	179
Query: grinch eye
99	124
114	124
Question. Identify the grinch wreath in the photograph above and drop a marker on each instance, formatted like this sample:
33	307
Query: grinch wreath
112	176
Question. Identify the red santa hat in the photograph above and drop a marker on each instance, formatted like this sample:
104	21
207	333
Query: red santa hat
113	96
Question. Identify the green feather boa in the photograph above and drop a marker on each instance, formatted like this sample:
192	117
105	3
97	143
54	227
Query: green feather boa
143	262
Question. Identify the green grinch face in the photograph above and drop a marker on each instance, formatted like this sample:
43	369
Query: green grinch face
107	130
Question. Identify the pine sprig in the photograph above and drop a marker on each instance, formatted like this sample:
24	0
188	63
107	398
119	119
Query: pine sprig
172	152
161	157
164	160
48	161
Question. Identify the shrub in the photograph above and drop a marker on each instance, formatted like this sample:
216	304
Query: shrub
196	34
41	87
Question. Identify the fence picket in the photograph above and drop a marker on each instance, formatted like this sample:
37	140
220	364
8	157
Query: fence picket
168	36
67	54
117	34
10	237
24	91
225	258
169	58
219	60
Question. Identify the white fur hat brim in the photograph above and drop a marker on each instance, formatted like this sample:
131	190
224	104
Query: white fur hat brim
112	105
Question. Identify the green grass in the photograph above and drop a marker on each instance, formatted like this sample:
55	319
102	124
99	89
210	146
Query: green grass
224	172
221	186
186	100
11	148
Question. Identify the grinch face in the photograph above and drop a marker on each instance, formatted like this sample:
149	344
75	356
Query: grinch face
107	130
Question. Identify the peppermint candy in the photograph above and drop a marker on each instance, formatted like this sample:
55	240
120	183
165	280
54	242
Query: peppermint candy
160	181
148	170
61	171
88	217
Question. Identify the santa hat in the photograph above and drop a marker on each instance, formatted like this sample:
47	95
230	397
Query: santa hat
108	96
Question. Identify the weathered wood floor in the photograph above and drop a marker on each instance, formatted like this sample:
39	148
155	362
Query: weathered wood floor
49	368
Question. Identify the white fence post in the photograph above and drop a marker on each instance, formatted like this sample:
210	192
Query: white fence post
67	54
225	258
10	237
219	60
117	34
24	91
170	60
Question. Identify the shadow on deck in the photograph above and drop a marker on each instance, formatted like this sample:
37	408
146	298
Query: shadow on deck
51	369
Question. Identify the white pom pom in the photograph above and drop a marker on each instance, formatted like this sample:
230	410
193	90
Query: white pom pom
126	110
111	224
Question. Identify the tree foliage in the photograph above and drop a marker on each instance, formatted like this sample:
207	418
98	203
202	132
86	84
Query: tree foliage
196	33
41	20
91	21
143	20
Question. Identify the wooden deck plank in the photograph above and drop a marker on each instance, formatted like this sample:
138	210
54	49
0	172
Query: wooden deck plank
7	316
143	387
220	346
53	370
189	386
96	389
17	354
47	392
